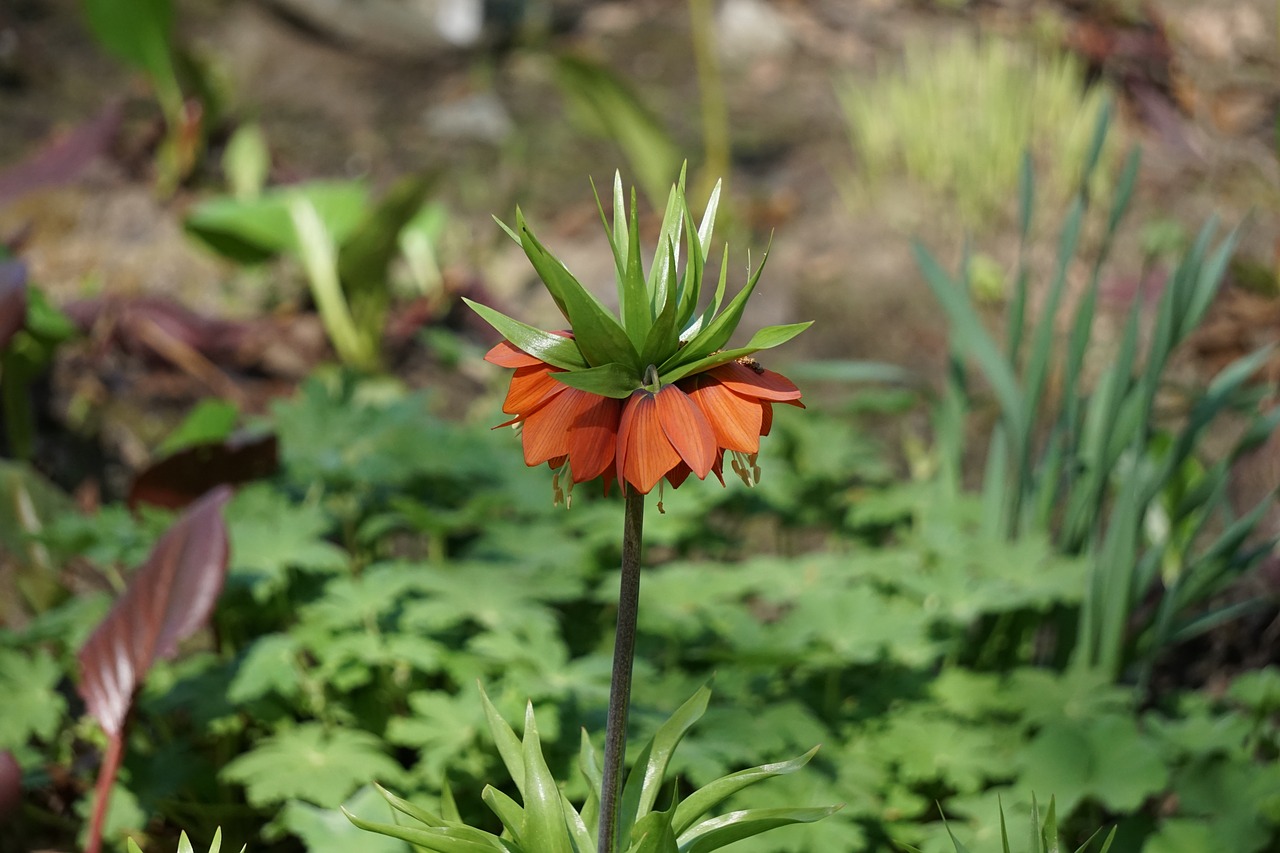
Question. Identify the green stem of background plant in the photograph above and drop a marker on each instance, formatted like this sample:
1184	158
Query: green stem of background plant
715	110
624	652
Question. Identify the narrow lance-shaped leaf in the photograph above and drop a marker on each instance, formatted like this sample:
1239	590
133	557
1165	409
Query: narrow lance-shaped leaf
607	380
664	268
508	811
616	243
690	332
646	776
168	599
690	290
712	794
735	826
555	350
438	839
599	336
505	739
633	294
407	808
544	820
767	338
661	342
717	331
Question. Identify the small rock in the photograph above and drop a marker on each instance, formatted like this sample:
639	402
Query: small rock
749	30
481	117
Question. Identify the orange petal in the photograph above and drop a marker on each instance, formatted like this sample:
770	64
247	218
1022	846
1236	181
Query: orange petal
735	420
762	385
645	454
531	387
506	354
546	431
687	429
678	475
593	436
766	422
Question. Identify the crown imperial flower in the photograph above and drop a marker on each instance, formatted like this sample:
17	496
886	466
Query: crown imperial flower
652	394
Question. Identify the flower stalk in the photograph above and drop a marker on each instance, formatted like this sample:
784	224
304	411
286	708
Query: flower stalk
624	652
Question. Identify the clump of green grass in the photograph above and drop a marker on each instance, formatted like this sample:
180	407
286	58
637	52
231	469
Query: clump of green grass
956	118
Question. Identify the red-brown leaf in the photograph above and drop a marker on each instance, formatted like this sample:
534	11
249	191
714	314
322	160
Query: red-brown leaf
13	299
10	783
178	479
168	599
62	159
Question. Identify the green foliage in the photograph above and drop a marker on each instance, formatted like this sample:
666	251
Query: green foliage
398	558
306	762
1096	468
184	844
141	35
659	329
923	634
603	101
547	821
344	242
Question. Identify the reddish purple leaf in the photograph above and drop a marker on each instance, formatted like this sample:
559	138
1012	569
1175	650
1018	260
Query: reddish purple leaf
13	299
10	783
168	599
181	477
62	159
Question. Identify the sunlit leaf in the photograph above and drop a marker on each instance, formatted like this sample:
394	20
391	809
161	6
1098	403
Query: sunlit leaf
167	599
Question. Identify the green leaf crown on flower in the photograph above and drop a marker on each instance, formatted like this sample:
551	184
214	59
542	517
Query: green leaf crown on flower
660	334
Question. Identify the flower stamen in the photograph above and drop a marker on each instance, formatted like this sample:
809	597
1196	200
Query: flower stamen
744	465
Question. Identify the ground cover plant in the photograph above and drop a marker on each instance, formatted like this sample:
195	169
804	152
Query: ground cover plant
908	642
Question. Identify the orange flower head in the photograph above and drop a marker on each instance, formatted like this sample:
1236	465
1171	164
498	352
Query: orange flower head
651	395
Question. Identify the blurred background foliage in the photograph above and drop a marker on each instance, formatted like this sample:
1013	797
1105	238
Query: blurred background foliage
1021	544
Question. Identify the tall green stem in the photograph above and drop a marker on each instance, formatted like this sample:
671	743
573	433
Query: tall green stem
624	652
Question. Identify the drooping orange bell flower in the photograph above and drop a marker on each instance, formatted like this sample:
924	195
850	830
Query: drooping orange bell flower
653	393
682	429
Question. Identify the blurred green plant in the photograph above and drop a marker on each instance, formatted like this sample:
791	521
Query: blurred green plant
31	330
1098	467
1044	837
956	119
184	844
345	243
608	105
141	35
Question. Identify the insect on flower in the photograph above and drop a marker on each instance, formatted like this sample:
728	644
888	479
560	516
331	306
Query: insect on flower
652	395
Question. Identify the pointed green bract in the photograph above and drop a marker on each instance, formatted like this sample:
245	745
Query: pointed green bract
661	322
662	340
607	380
600	337
767	338
717	332
508	811
555	350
